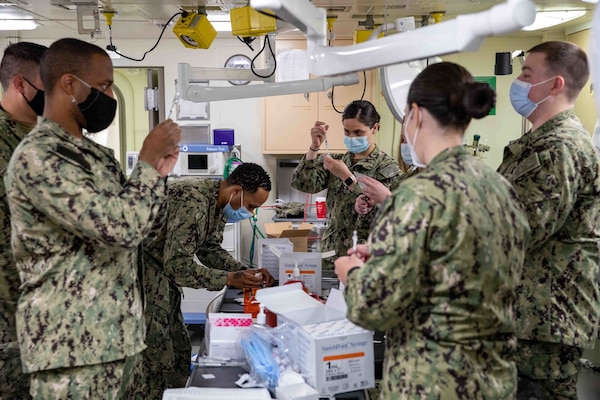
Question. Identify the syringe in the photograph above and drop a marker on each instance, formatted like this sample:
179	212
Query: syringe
173	104
354	240
326	145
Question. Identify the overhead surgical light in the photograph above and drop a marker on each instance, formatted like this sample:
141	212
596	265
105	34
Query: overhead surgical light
547	19
17	24
194	30
463	33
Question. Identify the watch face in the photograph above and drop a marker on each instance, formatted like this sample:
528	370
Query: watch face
238	61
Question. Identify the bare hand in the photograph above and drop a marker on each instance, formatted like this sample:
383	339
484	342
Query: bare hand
363	205
317	134
344	264
161	146
268	279
374	189
336	167
362	252
250	278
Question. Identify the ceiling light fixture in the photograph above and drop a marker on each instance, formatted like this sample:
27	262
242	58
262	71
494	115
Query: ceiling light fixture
546	19
17	24
221	22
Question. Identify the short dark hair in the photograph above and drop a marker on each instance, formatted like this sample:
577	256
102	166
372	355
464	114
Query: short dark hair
449	92
250	177
363	111
20	58
567	60
67	56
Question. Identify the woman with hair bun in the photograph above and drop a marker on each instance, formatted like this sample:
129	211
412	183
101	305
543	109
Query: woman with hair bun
444	256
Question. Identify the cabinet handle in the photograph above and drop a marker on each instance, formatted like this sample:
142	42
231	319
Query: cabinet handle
306	96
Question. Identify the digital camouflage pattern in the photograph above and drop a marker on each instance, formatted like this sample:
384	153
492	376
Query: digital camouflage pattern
446	254
555	171
101	381
311	177
13	383
539	361
194	226
76	225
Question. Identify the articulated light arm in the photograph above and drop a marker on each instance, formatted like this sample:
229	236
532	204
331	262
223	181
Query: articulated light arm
187	73
464	33
197	93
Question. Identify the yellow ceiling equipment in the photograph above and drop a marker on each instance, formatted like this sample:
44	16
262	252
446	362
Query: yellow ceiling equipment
194	30
246	21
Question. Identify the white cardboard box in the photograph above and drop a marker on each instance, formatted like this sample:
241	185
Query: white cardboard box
336	355
224	333
269	251
309	265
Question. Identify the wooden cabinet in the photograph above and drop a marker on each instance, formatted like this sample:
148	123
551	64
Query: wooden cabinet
288	119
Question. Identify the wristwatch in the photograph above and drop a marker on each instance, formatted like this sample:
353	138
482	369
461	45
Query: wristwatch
350	180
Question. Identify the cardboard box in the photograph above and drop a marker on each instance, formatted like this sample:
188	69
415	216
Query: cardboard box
269	251
298	237
310	266
223	335
334	354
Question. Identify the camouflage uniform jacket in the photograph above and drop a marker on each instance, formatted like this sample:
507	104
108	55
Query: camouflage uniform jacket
76	224
11	133
555	170
447	250
311	177
194	226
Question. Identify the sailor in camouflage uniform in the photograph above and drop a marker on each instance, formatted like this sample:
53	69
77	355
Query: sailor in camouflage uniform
76	225
555	171
22	102
197	211
446	252
336	174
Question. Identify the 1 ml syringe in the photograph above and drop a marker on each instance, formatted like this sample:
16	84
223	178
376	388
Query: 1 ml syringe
173	104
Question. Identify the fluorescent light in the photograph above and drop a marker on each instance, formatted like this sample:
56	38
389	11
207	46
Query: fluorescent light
590	1
546	19
17	24
220	22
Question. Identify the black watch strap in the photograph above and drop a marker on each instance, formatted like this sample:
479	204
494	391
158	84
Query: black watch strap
350	180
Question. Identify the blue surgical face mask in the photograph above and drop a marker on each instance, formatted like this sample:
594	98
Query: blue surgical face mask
240	214
411	146
406	153
519	97
358	144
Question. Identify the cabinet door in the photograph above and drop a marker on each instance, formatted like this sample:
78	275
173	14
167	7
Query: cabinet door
288	120
342	95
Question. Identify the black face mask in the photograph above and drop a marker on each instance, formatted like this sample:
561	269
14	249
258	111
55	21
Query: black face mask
37	103
98	109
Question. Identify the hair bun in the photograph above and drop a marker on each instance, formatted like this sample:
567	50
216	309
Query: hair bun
479	99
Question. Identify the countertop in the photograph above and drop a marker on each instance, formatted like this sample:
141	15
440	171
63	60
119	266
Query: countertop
309	218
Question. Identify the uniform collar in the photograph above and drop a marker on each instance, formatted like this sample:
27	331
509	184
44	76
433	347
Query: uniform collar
549	127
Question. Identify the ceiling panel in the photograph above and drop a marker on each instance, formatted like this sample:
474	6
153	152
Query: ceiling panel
144	19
